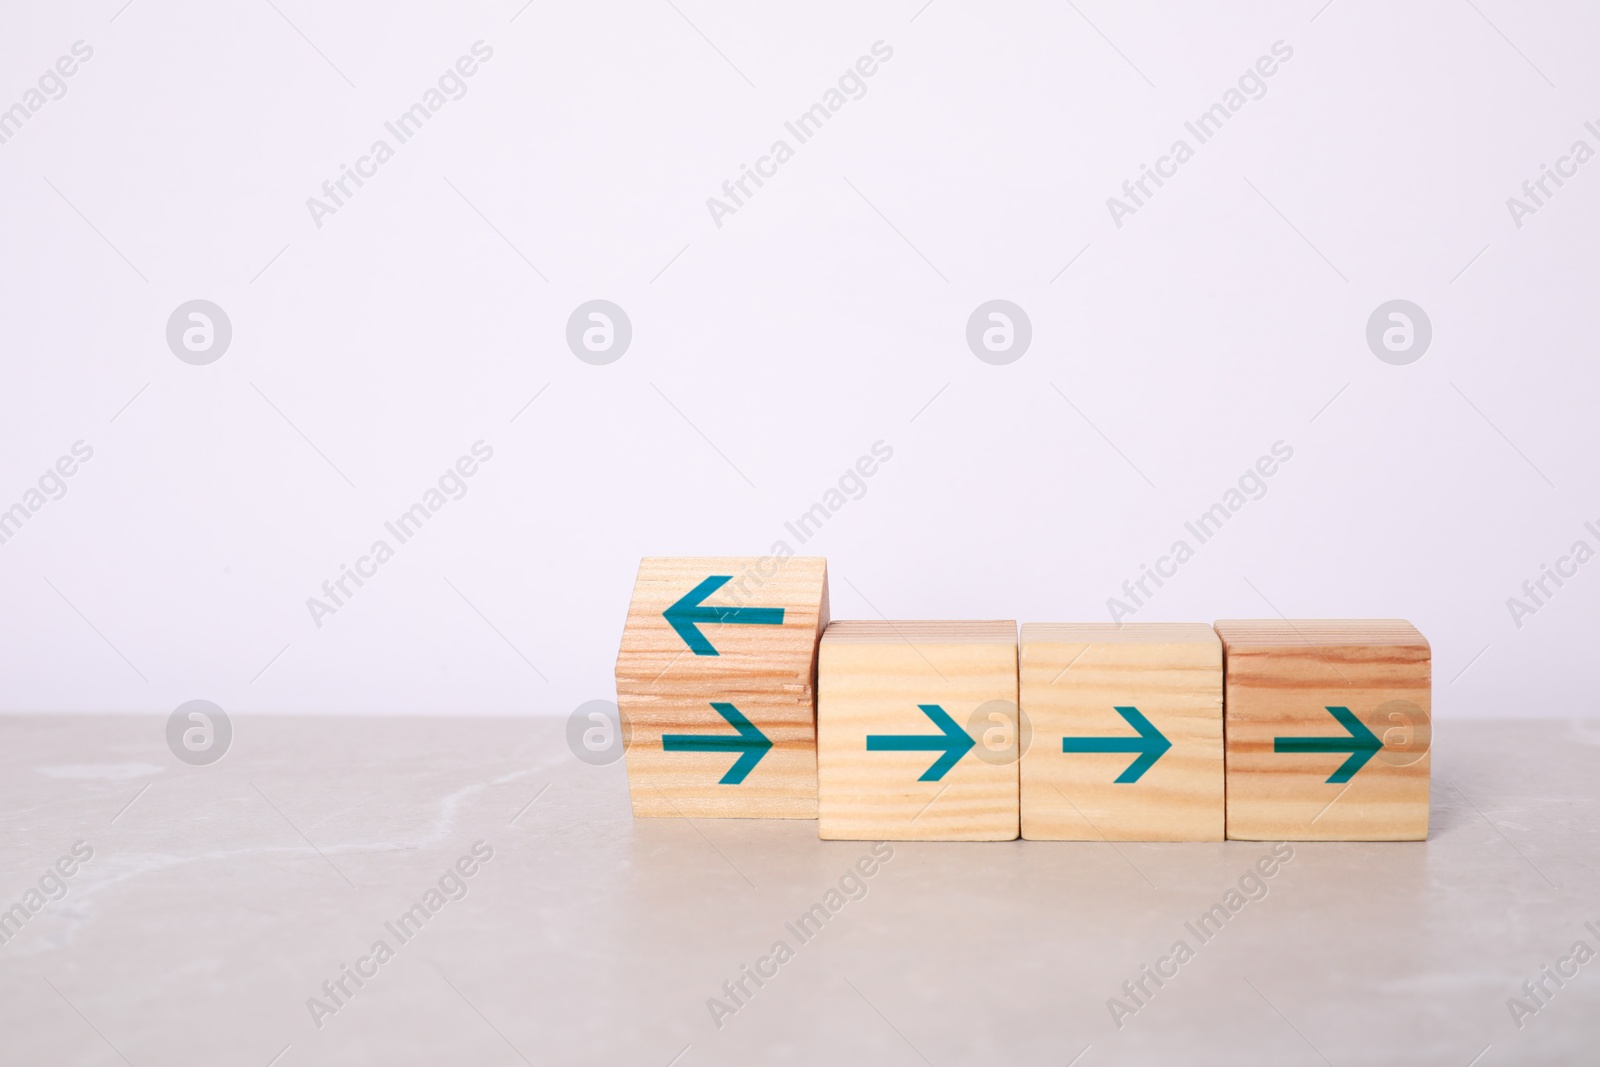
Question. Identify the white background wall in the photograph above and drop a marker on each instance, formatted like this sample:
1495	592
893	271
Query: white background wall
827	314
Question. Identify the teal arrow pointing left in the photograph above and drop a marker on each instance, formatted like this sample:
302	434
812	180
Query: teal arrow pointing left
1361	744
952	741
1151	744
687	613
751	743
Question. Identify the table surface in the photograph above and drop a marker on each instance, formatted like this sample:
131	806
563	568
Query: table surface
218	901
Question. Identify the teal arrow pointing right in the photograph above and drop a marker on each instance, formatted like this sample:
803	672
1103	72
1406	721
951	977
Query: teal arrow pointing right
750	743
1361	744
951	740
1151	745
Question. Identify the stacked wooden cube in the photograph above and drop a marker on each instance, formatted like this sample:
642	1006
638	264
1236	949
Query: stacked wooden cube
716	682
740	699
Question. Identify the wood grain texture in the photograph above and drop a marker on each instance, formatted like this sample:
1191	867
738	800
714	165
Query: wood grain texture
767	671
1281	676
1073	677
871	678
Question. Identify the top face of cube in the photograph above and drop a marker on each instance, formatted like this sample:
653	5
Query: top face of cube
1253	635
921	632
1334	660
757	618
1110	633
1360	658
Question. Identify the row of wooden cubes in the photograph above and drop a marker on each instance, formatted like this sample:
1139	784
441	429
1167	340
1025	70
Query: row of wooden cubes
740	699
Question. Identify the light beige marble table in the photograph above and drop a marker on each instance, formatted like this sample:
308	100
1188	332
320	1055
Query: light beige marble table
218	901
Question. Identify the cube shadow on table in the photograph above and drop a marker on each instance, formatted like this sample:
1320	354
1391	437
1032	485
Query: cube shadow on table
917	731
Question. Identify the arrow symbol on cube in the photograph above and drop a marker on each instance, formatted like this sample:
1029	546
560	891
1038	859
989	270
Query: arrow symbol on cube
1150	745
750	743
1361	744
688	614
952	741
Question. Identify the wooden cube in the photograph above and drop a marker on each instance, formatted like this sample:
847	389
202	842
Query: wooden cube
716	686
1123	731
917	731
1328	726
